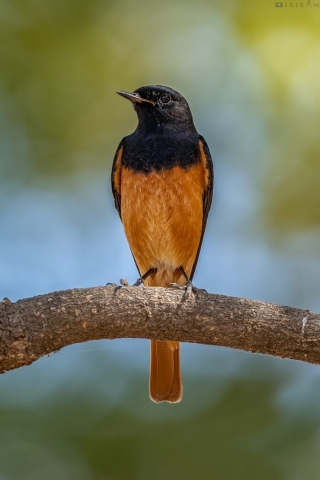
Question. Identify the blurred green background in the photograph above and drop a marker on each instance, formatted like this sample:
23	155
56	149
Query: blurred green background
250	72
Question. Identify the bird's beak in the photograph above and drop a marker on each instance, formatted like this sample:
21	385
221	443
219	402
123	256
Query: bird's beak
135	97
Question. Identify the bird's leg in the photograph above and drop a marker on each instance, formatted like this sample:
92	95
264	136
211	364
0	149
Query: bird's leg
187	287
125	283
143	278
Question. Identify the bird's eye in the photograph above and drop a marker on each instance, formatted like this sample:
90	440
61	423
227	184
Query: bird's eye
165	98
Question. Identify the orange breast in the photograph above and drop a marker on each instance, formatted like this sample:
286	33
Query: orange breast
162	216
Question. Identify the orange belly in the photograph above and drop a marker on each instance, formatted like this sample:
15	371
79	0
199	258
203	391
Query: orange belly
162	216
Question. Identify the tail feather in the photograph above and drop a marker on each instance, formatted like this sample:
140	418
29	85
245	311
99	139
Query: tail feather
165	378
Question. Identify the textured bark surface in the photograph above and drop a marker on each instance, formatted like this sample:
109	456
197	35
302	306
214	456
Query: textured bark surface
33	327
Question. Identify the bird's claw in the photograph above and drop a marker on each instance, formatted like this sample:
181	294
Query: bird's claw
188	288
138	282
125	283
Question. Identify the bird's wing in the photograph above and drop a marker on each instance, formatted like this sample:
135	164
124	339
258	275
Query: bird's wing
116	182
207	163
116	177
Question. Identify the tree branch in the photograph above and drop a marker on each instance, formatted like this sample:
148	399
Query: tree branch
33	327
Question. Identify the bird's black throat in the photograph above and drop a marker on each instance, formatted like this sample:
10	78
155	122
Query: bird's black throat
158	150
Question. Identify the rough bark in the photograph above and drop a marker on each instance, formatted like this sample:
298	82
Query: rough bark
33	327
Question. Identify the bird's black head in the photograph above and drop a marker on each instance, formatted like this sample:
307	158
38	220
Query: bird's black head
159	106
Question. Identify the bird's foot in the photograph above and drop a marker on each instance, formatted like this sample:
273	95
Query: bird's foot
125	283
188	288
144	277
139	281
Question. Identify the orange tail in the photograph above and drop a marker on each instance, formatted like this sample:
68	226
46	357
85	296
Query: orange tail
165	382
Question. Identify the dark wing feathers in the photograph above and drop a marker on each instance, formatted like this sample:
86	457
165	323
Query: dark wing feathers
116	177
208	191
116	182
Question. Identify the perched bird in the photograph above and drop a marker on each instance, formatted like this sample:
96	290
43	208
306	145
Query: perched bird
162	183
